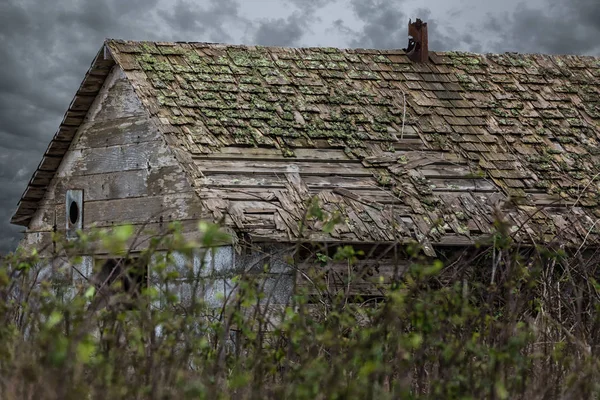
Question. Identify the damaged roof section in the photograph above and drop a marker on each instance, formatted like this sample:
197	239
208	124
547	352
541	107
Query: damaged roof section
400	150
438	144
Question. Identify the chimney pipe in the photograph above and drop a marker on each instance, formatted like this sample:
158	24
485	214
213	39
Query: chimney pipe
418	42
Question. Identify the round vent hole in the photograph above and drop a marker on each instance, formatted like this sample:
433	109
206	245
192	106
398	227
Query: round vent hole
73	212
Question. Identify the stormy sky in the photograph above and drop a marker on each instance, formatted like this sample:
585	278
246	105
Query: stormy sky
47	46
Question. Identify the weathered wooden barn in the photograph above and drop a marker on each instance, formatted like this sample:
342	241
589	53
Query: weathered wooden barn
402	148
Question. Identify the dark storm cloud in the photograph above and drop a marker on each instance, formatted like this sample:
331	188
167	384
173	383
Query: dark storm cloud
46	48
563	27
191	21
290	30
280	31
385	25
444	37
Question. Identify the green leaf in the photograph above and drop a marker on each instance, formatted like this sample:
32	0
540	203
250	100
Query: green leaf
85	350
416	340
53	320
240	380
90	292
212	234
331	223
501	391
434	269
314	209
115	241
123	233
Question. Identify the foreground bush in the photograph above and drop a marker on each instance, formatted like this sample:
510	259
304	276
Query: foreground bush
493	322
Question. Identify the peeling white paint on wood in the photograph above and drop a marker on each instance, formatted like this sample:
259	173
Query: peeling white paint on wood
215	269
107	105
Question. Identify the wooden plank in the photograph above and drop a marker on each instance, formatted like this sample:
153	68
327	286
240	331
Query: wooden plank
33	193
246	194
81	102
409	144
267	154
352	195
410	157
120	100
248	204
117	132
168	179
41	178
463	185
450	239
240	180
124	184
252	206
121	158
73	118
106	186
66	133
210	167
259	220
101	68
170	207
447	171
25	204
271	180
269	236
333	181
57	148
378	196
41	241
50	163
92	84
544	199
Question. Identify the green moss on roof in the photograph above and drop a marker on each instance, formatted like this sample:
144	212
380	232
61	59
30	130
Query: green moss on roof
539	110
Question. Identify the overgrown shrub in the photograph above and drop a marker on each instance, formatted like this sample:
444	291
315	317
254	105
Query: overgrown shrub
497	321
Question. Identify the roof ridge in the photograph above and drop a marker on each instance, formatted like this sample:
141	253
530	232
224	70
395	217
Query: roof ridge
362	50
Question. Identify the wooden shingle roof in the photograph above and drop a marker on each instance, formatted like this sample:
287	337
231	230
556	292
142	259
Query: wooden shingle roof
398	149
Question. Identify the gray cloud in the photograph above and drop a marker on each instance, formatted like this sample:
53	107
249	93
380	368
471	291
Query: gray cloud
563	27
189	21
281	31
310	6
290	30
385	25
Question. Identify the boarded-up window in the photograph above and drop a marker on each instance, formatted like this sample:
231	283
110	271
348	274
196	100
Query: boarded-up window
115	276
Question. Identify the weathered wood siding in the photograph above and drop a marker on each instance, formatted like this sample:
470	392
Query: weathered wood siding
122	162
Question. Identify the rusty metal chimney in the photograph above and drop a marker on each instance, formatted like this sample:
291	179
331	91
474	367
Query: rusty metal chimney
418	43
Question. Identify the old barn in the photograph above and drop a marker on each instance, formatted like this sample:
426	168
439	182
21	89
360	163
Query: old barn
401	145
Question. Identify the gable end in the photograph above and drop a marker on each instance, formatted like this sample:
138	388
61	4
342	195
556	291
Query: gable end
74	117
